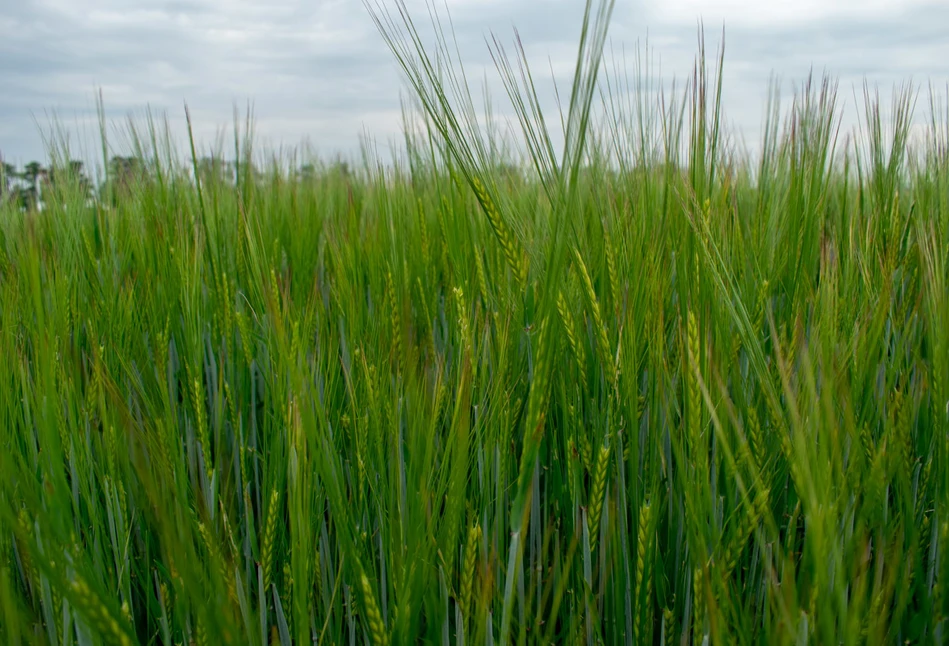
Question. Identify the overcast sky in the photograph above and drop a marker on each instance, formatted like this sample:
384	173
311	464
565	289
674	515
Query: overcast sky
318	70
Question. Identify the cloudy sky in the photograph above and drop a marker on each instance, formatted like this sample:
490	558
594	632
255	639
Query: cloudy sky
318	71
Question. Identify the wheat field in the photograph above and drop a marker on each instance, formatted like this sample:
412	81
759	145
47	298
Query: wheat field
644	389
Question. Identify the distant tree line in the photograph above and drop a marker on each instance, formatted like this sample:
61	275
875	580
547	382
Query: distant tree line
35	186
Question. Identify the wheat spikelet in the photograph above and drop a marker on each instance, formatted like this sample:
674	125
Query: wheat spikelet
791	533
173	573
121	499
111	448
922	545
245	483
228	532
270	531
240	250
59	420
698	604
96	613
537	399
755	509
903	419
611	271
296	342
873	621
425	308
795	342
287	580
394	321
57	601
925	523
162	344
794	466
224	324
317	577
760	304
163	444
95	384
736	349
936	375
164	597
467	579
866	441
504	235
216	559
26	529
482	278
597	493
696	435
756	437
423	233
443	248
201	422
634	429
201	633
294	425
377	628
762	503
243	328
573	454
231	406
745	456
369	380
275	292
875	491
603	344
361	475
939	585
462	312
644	541
572	338
668	625
406	599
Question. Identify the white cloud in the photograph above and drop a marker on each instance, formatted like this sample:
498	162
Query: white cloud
779	12
318	70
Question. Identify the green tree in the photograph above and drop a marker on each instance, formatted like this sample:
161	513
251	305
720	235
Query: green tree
306	173
211	170
30	195
62	180
8	177
124	174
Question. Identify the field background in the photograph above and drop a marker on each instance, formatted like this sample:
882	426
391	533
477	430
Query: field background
646	389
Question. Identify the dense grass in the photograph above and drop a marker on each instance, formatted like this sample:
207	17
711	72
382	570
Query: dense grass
635	395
